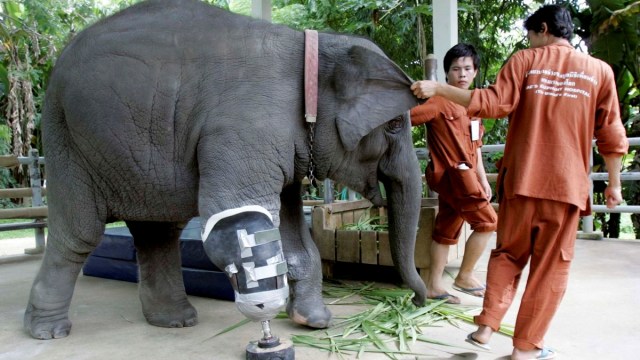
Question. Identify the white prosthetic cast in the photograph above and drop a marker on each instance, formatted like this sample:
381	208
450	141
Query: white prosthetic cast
259	278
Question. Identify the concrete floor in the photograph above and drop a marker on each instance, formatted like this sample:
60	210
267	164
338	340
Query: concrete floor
599	318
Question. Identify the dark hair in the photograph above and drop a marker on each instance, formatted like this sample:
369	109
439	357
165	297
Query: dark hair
556	17
458	51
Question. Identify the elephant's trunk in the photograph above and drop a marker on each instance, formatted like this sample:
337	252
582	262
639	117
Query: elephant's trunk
404	198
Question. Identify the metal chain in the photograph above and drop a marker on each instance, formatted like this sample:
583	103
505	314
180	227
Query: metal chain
310	174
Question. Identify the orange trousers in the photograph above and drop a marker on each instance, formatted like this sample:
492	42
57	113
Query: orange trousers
545	232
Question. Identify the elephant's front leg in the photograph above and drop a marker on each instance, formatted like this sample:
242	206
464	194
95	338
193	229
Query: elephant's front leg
162	293
305	305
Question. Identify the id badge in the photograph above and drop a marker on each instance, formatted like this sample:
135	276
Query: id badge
475	130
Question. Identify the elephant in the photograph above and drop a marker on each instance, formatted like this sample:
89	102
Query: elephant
172	109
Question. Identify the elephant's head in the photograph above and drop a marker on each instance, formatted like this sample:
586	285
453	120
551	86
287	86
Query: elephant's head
367	127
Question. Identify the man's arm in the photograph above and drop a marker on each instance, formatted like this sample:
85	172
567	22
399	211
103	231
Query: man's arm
427	88
613	192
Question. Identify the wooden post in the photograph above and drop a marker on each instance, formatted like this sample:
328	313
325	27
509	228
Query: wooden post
328	191
261	9
431	68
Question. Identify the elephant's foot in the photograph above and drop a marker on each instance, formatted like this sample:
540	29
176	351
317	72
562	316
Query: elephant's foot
46	324
47	313
309	311
176	314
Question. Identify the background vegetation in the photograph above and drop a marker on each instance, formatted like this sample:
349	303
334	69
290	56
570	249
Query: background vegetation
32	33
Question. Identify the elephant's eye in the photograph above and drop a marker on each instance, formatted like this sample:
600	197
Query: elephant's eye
395	124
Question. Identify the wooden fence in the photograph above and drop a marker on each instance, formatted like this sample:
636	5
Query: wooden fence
38	210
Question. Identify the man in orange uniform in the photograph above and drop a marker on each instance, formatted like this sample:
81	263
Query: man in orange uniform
557	99
457	173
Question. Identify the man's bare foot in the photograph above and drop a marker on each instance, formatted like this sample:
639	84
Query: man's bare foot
451	299
481	337
483	334
537	354
469	285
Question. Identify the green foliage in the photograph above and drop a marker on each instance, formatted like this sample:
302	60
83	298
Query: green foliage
491	27
368	222
6	180
240	6
32	32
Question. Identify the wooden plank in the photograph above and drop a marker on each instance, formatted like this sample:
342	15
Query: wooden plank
339	207
347	218
382	213
322	218
348	246
426	224
368	247
9	161
26	212
336	220
359	215
327	247
384	249
18	193
325	239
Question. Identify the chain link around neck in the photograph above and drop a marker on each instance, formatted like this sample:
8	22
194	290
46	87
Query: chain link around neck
310	174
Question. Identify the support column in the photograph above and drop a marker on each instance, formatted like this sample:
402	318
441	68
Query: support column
445	30
261	9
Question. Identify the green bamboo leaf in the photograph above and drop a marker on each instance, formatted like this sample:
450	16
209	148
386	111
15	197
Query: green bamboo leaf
432	341
232	327
402	339
360	351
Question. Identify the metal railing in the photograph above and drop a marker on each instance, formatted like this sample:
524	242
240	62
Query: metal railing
587	221
38	210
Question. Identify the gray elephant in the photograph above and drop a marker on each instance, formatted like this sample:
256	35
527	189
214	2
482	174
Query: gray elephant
172	109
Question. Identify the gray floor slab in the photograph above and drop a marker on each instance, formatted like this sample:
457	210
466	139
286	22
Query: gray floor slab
599	318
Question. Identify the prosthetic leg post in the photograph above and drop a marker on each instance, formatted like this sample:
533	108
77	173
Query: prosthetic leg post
259	278
270	347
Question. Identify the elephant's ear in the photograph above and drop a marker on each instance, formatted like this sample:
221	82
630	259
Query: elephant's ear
370	90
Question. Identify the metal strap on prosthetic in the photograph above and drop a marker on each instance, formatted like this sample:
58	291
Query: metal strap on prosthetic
251	302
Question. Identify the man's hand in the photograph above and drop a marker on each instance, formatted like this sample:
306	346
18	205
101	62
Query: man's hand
613	194
424	89
487	188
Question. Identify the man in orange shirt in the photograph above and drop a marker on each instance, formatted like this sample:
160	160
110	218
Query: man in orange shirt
456	173
557	100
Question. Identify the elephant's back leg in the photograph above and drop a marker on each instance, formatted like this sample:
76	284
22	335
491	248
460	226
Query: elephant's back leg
162	293
75	226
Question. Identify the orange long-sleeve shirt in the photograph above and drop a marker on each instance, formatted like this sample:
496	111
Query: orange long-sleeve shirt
557	100
448	134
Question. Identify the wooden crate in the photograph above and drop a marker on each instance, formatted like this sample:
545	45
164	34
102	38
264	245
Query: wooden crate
370	247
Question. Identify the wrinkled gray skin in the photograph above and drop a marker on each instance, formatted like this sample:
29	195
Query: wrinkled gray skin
175	109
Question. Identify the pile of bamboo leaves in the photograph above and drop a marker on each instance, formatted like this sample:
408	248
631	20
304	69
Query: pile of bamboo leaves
389	326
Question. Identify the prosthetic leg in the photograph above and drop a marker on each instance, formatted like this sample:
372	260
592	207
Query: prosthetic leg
245	239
